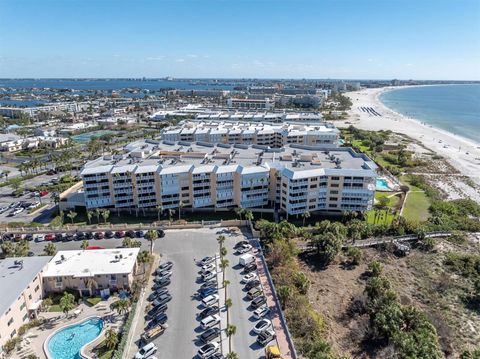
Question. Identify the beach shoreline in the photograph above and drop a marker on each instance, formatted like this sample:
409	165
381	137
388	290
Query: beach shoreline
463	154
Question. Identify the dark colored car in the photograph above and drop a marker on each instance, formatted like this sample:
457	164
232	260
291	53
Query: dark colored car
210	334
250	268
30	254
109	234
99	235
205	292
29	237
88	235
209	284
119	234
80	236
58	237
162	282
208	311
252	284
68	237
152	313
159	319
130	234
259	301
140	234
164	298
165	266
157	293
160	233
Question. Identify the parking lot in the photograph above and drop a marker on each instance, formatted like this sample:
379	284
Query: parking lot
184	248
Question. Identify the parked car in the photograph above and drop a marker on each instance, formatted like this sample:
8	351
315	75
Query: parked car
206	260
250	268
152	313
210	321
165	266
208	311
252	284
212	283
158	319
244	249
266	337
208	276
130	234
140	234
262	325
119	234
68	237
249	277
50	237
209	335
162	299
240	244
30	254
160	233
88	235
29	237
157	293
209	267
162	282
217	355
207	350
254	293
163	273
99	235
39	238
259	301
58	237
80	236
207	291
260	312
43	193
210	300
109	234
146	351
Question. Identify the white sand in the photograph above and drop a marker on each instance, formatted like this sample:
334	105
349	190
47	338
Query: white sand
432	138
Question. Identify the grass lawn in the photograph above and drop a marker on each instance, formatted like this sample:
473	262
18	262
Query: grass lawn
93	301
405	179
370	217
392	201
103	352
416	206
54	308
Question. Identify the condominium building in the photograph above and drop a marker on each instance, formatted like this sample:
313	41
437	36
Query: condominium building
21	283
250	103
295	178
91	271
264	134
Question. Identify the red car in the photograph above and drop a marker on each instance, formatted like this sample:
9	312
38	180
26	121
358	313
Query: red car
50	237
43	193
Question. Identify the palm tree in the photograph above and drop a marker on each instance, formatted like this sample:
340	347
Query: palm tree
50	249
89	216
84	245
180	206
97	214
232	355
230	331
67	303
143	257
121	306
240	212
127	242
224	263
249	215
111	338
221	239
223	252
284	293
171	212
151	235
305	215
105	215
159	211
72	215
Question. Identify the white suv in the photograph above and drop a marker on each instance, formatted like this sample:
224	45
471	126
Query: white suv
210	321
146	351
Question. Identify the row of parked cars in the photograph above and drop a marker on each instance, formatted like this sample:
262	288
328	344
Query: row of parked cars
258	302
78	236
209	317
18	207
156	316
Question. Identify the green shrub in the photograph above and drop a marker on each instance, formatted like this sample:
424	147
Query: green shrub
93	300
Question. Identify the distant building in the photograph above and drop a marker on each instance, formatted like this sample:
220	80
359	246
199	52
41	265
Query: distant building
91	271
395	82
34	111
21	284
250	104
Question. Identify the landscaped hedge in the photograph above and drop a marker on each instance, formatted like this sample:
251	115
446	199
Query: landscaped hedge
124	334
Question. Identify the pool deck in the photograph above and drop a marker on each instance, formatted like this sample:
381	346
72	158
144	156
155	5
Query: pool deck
35	338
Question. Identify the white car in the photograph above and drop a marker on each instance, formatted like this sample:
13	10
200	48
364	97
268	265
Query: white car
209	275
208	349
244	249
39	238
210	321
18	210
209	267
146	351
249	277
210	300
206	260
259	313
262	325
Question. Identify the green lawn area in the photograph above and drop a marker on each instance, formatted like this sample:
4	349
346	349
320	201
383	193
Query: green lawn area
392	200
406	180
370	217
54	308
93	301
416	206
103	352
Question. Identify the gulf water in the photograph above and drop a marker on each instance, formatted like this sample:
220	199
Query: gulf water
454	108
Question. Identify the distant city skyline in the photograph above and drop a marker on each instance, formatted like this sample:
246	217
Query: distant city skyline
346	39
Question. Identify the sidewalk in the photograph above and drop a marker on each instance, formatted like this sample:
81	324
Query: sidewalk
278	325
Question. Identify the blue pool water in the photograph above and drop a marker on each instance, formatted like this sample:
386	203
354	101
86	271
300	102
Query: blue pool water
66	343
382	185
85	137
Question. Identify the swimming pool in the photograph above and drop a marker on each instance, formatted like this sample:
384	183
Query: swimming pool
85	137
382	185
67	342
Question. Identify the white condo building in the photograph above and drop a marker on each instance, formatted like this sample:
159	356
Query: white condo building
295	178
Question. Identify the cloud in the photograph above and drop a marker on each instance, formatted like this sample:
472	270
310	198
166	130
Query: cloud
155	58
192	56
180	60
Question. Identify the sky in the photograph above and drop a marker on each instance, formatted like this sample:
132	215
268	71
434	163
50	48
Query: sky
341	39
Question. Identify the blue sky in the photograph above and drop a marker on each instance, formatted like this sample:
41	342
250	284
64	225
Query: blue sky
379	39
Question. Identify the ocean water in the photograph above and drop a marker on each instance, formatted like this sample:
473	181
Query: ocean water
454	108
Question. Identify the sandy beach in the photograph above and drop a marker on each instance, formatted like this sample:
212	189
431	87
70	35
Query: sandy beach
461	153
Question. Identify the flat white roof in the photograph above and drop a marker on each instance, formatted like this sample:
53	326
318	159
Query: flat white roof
88	263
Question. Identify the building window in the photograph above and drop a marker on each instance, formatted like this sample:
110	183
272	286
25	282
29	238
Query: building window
335	178
30	297
10	322
12	334
333	198
23	306
334	185
37	288
25	317
333	192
